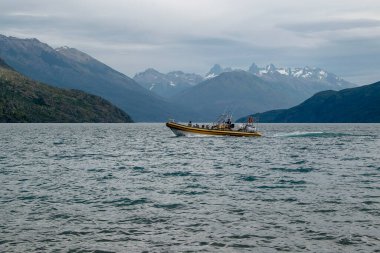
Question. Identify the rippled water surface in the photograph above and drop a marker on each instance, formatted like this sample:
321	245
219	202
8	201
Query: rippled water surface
136	187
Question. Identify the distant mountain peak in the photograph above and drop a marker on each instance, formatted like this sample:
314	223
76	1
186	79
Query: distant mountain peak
217	70
148	72
254	69
166	85
25	43
271	68
151	70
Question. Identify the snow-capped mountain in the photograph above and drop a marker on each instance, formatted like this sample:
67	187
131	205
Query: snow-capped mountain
166	85
258	89
305	74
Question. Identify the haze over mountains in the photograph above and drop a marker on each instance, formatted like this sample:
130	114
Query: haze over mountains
152	96
69	68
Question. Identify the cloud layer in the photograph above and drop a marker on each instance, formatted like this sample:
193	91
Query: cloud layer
341	36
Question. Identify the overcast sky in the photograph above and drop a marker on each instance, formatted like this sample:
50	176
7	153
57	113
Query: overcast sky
341	36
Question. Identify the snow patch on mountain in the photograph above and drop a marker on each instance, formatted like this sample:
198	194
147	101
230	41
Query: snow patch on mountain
210	75
302	74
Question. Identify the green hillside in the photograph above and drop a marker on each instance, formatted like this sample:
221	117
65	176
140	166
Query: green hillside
355	105
25	100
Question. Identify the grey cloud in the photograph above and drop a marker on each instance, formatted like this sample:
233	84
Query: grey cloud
192	35
332	25
210	41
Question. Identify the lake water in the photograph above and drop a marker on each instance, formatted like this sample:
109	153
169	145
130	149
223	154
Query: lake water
137	187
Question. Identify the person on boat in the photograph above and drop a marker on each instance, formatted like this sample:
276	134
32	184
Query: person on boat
229	123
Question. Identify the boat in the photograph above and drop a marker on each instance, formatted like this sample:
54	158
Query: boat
222	127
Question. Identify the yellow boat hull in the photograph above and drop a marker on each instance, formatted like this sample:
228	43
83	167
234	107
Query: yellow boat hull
183	130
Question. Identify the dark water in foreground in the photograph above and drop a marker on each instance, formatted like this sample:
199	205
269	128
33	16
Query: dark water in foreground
136	187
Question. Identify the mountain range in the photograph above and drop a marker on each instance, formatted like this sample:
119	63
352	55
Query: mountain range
166	85
316	79
256	90
152	96
311	80
70	68
25	100
170	84
360	104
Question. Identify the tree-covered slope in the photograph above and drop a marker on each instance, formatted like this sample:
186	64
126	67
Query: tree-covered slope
361	104
25	100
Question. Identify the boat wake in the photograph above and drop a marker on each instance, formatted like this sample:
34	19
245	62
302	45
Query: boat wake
304	134
319	134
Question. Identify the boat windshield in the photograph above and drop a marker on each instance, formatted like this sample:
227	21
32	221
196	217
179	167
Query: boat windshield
224	118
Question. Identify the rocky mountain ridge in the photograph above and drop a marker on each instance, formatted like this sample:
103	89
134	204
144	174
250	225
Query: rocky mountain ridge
70	68
305	78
